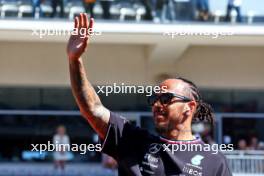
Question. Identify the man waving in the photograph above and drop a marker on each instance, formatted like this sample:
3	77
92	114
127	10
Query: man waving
136	150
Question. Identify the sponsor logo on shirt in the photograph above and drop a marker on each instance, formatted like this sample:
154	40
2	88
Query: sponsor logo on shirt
194	167
150	161
196	160
154	148
191	171
149	164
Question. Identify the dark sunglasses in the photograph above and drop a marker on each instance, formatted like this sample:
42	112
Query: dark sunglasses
165	98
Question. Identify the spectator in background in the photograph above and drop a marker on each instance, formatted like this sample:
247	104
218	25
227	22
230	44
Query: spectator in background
36	8
169	11
164	11
242	144
55	4
253	145
159	10
236	5
203	10
89	6
148	7
60	156
106	4
261	145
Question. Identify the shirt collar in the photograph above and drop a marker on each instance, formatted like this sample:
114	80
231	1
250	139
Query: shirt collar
194	141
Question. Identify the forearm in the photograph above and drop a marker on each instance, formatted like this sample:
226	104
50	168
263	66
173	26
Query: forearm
87	99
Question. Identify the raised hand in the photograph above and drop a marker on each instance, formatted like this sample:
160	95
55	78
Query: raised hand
77	43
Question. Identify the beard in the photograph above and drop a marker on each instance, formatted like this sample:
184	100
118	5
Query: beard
165	129
171	125
161	130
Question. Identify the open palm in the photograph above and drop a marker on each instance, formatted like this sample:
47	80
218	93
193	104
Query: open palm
79	39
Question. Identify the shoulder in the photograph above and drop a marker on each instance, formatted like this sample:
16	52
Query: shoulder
214	152
128	129
213	156
218	161
218	157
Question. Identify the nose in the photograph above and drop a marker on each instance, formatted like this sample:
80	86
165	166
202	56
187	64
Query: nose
157	104
157	107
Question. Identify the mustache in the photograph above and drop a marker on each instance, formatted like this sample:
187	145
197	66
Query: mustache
171	125
160	111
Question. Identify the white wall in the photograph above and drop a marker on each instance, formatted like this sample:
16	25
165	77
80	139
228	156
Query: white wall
45	64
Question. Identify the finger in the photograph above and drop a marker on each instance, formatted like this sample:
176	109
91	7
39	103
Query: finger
79	21
90	28
82	20
76	22
91	22
85	21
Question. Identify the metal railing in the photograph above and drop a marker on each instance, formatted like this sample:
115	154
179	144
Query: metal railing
246	162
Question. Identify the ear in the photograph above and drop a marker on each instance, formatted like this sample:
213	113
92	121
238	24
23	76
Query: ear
189	108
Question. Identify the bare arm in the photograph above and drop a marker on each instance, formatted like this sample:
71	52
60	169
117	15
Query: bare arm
85	95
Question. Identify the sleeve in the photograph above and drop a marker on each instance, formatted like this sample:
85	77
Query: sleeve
121	137
223	169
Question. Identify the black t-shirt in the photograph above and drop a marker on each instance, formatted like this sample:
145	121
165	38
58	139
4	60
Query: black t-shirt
140	153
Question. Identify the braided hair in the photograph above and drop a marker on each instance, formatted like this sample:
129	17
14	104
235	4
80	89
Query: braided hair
204	111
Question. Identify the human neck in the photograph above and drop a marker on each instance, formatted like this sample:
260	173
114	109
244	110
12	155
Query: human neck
183	135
